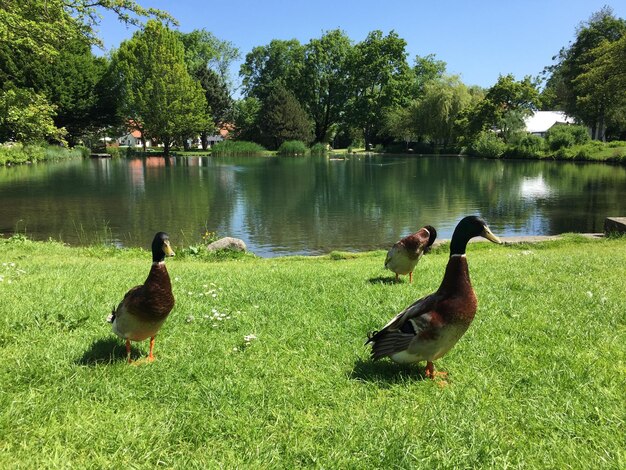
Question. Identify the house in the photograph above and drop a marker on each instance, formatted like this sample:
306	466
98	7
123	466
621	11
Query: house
133	139
541	121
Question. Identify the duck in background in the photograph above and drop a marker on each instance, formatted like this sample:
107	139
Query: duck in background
144	308
431	326
405	253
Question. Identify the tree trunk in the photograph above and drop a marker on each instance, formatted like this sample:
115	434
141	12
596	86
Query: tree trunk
166	147
204	140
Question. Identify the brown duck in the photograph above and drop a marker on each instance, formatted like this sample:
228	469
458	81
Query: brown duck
143	310
405	253
431	326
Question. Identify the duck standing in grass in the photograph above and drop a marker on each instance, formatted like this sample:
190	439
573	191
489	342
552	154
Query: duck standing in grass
404	254
431	326
143	310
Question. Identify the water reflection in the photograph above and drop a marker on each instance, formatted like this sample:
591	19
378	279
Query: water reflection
303	205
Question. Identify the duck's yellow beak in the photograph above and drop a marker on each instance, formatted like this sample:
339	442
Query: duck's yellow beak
167	249
490	236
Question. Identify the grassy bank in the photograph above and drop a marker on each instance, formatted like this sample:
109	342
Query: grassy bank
537	382
17	153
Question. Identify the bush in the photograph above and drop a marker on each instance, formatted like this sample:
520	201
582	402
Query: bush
292	147
14	153
616	143
319	149
488	145
240	147
528	146
84	151
565	136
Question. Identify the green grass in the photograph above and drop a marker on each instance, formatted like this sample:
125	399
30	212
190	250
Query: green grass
538	381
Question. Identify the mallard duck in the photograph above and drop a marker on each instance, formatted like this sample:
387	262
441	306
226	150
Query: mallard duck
144	308
406	252
431	326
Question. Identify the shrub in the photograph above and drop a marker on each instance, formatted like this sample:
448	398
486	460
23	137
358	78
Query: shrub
616	143
319	149
564	136
379	148
488	145
115	152
14	153
85	152
528	146
292	147
240	147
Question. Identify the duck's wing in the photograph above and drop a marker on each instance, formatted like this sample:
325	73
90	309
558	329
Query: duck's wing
393	252
129	299
396	336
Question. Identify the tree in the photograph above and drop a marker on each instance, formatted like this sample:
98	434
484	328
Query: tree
43	27
505	97
265	66
324	85
378	74
219	103
208	60
603	82
561	87
157	94
282	118
246	116
439	107
27	117
204	51
427	69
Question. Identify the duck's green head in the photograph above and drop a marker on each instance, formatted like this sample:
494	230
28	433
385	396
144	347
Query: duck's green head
468	228
161	247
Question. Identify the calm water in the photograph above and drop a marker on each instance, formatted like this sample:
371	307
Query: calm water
303	205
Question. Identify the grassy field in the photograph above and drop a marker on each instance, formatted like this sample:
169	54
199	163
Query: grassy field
538	381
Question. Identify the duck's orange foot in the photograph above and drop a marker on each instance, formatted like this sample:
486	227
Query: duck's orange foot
431	373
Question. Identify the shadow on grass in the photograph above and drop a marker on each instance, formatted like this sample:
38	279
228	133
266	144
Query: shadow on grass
384	280
384	372
107	351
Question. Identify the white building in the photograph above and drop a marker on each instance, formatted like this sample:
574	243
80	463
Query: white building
541	121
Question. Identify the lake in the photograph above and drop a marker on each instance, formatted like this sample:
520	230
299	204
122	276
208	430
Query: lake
312	205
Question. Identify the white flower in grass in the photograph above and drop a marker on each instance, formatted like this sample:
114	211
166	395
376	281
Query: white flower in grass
177	279
589	294
249	338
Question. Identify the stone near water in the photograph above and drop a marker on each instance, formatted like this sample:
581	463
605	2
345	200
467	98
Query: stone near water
227	243
615	225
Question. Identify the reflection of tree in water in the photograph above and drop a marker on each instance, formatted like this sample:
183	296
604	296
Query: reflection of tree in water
305	204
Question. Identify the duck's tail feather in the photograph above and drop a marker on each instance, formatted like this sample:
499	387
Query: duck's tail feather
387	343
111	318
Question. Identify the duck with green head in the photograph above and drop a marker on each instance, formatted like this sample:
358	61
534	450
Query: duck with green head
144	308
431	326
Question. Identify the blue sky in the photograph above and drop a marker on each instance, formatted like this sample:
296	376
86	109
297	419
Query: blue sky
477	39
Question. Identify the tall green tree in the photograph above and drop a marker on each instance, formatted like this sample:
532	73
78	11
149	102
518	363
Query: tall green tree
208	60
324	84
282	118
379	76
157	94
204	51
427	68
42	27
27	117
603	83
265	66
563	91
439	108
505	103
